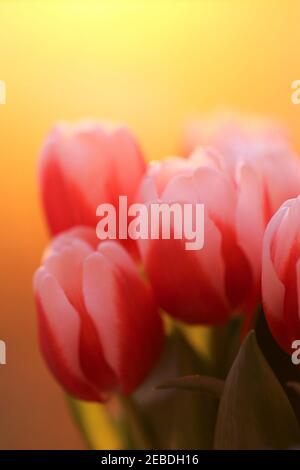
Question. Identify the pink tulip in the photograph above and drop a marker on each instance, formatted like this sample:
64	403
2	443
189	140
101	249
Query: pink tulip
83	166
258	143
99	328
281	274
212	284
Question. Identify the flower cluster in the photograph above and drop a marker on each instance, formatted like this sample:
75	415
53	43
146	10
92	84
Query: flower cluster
100	315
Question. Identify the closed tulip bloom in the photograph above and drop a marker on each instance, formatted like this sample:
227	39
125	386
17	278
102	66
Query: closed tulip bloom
281	274
222	279
259	143
99	329
83	166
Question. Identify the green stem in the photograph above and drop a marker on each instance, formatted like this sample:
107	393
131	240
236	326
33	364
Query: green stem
140	435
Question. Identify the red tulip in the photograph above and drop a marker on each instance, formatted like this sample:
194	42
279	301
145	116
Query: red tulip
83	166
99	328
212	284
281	274
260	144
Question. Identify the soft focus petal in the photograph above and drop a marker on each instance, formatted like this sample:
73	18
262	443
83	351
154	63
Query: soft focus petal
258	142
207	285
97	317
189	285
250	217
273	290
59	327
124	313
84	165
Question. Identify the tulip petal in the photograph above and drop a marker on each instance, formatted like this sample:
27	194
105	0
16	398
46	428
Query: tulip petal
58	206
122	309
286	235
85	234
66	266
281	170
126	155
273	290
216	192
59	328
84	165
250	217
189	284
84	155
161	173
207	186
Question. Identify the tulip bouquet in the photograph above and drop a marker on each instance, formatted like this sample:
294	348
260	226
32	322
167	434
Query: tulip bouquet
176	349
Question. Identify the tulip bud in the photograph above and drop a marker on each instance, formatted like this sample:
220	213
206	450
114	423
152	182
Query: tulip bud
208	285
281	274
258	143
99	328
85	165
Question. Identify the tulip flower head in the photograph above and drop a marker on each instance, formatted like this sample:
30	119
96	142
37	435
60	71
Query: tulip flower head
84	165
257	143
99	327
209	285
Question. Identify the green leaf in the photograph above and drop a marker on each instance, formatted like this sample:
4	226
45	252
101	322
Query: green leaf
134	425
254	411
196	383
224	345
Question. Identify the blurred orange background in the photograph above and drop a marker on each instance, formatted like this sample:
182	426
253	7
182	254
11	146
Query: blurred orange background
151	64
